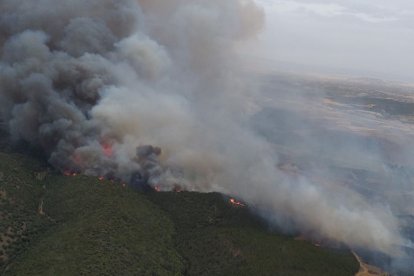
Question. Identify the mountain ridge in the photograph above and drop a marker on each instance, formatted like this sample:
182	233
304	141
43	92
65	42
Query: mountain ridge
83	226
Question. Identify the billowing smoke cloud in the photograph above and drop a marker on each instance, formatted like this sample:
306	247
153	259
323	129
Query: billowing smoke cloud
89	81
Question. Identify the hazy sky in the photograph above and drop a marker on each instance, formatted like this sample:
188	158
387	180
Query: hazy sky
367	38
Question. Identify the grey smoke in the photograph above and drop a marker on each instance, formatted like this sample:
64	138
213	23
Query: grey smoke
75	75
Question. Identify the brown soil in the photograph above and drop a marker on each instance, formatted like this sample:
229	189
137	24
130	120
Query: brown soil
368	270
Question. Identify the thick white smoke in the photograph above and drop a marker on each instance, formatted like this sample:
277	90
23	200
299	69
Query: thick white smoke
77	76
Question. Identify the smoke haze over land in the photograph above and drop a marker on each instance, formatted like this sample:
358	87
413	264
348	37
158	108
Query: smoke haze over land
88	82
371	38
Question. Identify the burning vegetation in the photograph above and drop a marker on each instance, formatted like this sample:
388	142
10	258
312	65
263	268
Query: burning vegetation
187	233
107	149
147	166
87	84
236	203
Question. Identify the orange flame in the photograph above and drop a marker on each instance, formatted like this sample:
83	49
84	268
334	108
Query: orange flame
107	149
177	188
69	173
236	203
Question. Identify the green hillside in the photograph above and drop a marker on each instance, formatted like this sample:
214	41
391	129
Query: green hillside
56	225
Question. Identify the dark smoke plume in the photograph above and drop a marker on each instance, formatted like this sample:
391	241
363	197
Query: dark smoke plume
89	81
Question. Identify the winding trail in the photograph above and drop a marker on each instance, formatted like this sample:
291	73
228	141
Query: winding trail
368	270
